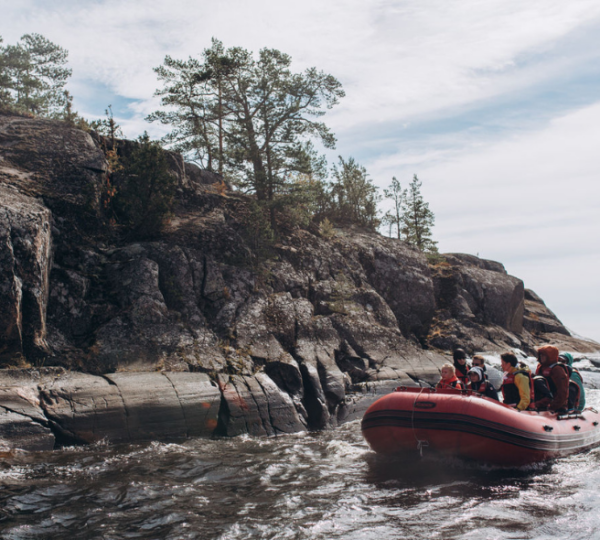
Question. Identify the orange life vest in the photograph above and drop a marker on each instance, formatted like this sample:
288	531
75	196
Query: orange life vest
454	382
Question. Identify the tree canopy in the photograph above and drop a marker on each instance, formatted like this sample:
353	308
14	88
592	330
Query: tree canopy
393	217
354	197
251	119
33	76
417	218
410	215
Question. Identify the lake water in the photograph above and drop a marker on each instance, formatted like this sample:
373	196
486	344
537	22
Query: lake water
308	485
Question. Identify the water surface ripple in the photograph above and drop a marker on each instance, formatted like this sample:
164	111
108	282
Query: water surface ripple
308	485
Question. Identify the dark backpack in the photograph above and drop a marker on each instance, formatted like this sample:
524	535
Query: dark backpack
541	388
574	393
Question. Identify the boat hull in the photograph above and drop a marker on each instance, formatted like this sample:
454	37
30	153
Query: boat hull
469	426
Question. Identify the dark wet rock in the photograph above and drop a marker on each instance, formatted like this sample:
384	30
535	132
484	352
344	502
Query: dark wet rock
479	306
25	263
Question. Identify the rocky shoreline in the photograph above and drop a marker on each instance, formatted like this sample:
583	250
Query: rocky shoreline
194	333
49	407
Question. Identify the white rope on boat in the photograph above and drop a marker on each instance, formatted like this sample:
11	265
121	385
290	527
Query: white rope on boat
421	443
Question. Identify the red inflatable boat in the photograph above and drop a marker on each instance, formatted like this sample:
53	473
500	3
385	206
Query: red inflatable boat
466	425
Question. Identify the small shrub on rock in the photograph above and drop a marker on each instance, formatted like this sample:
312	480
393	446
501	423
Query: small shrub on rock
145	189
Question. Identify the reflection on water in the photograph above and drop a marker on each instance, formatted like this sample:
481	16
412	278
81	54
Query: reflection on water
317	486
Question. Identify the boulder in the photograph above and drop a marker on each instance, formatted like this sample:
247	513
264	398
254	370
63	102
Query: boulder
23	424
129	407
85	409
256	405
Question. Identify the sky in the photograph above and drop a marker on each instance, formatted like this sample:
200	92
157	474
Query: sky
494	104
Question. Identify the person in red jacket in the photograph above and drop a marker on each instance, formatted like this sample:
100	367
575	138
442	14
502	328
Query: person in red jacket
461	367
449	379
557	375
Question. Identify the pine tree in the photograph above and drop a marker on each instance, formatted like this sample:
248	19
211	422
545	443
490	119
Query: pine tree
33	76
354	197
417	218
145	190
251	119
393	218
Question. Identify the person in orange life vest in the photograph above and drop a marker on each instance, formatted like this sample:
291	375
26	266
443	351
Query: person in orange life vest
461	368
480	385
517	387
449	379
557	375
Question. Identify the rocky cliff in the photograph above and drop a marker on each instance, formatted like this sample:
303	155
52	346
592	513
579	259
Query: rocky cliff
194	332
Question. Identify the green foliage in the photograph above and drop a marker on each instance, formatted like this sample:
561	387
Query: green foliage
326	229
354	198
33	76
393	218
256	228
249	119
144	190
108	126
417	218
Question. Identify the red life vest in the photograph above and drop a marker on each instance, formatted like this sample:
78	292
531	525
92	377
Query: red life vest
463	378
545	371
454	382
480	387
574	393
510	391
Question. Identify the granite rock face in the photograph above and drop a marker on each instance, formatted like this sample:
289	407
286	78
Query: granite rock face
195	332
25	263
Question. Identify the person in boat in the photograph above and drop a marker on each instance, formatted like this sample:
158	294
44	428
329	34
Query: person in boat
478	361
461	368
517	386
557	375
567	358
449	379
478	383
543	395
